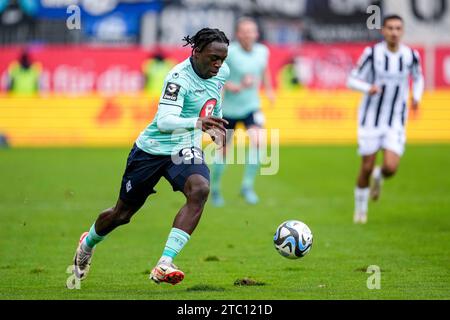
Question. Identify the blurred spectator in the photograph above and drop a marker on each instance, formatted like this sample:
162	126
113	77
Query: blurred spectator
23	75
288	77
155	70
3	141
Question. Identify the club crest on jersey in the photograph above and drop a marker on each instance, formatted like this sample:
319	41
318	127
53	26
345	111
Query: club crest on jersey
171	92
208	108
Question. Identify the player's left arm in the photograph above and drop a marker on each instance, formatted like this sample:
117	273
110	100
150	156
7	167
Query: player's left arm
267	82
418	83
267	79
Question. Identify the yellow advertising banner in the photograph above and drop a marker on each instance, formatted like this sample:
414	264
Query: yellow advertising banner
302	117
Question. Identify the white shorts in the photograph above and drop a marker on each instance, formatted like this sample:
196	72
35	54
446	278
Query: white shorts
389	139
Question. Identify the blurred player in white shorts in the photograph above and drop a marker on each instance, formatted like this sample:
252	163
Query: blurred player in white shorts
383	74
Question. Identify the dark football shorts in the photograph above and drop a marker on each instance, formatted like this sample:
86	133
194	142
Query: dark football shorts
144	170
253	119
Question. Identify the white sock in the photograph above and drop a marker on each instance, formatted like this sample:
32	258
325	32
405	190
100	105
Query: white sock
165	260
377	174
361	199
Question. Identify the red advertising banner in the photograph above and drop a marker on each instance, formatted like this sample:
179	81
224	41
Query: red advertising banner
442	68
87	69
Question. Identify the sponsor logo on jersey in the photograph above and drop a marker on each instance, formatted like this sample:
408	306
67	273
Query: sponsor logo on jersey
200	91
171	92
208	108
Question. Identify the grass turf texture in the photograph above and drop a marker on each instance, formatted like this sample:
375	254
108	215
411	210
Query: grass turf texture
50	196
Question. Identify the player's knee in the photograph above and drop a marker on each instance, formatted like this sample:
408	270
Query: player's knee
367	168
122	216
199	192
389	170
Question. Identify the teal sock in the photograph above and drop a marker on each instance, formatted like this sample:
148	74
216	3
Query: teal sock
216	178
175	242
92	239
251	168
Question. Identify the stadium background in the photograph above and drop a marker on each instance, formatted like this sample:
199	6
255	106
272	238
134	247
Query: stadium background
92	78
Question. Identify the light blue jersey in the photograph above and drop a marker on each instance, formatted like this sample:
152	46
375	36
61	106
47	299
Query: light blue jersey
196	97
244	64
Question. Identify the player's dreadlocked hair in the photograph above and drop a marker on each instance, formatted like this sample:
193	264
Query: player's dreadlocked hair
204	37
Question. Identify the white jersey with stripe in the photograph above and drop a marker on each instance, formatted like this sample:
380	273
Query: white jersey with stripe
390	71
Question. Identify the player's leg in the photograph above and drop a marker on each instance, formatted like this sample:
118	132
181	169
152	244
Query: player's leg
196	190
393	145
390	163
106	222
141	175
254	125
367	149
362	188
219	165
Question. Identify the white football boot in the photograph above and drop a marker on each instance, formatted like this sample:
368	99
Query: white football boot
82	260
360	217
169	273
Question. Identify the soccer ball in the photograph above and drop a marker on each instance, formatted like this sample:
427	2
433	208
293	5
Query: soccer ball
293	239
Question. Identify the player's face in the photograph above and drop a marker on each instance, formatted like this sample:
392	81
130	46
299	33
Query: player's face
211	58
247	33
393	31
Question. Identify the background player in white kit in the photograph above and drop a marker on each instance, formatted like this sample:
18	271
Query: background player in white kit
383	74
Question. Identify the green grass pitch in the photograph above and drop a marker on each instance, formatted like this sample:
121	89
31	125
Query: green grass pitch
48	197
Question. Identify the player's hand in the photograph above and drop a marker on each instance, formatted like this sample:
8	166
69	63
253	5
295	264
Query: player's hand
207	123
218	137
247	81
414	109
271	97
234	88
215	127
374	89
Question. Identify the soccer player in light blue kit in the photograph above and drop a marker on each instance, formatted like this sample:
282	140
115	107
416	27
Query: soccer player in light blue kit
169	147
248	63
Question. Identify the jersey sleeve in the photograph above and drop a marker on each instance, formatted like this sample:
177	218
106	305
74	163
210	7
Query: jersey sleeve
361	76
171	104
174	90
417	77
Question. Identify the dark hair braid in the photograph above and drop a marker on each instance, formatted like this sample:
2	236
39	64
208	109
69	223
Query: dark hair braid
204	37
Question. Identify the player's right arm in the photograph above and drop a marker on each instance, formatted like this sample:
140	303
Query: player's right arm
360	77
171	104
